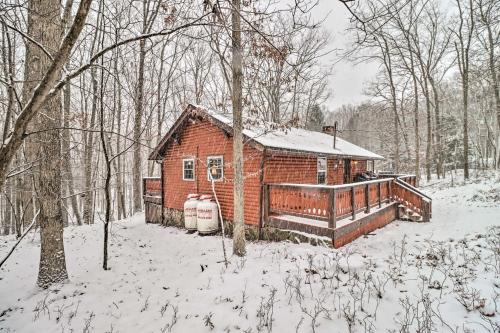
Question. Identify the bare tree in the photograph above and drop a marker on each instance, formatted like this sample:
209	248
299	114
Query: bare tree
237	72
463	44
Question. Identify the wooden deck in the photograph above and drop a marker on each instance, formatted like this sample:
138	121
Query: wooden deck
343	212
339	212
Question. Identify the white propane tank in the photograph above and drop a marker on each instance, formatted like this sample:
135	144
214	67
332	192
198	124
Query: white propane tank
190	212
207	215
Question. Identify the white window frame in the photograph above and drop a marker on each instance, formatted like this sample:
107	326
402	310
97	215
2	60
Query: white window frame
183	169
214	157
322	170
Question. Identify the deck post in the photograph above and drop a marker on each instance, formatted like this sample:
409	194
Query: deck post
353	203
379	195
265	203
332	218
390	189
367	197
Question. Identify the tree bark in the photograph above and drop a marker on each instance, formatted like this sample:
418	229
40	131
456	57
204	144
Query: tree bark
66	134
67	155
44	24
429	127
8	68
120	196
462	48
492	58
237	72
42	91
139	110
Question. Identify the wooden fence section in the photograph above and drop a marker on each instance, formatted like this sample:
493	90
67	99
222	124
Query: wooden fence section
151	190
152	209
151	186
326	203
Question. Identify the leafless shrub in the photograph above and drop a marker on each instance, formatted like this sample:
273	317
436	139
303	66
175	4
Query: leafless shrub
349	314
293	287
73	314
208	321
240	264
164	308
87	322
173	320
405	316
470	298
265	312
493	245
299	324
42	307
145	305
60	311
315	312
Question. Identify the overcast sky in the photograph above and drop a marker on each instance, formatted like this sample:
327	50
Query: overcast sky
348	79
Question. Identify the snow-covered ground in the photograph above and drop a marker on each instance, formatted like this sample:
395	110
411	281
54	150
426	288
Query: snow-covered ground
442	276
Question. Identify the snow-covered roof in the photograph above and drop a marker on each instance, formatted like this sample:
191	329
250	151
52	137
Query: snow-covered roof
297	139
274	136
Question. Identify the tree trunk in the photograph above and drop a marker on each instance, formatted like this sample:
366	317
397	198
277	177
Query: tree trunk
492	58
7	218
67	155
237	72
88	202
429	129
89	199
437	120
465	94
139	109
417	138
8	67
66	134
44	25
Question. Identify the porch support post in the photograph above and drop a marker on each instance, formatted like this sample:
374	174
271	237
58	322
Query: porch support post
390	184
379	195
265	203
353	203
332	218
367	197
162	193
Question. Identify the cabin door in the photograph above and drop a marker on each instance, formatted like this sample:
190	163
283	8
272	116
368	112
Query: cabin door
347	171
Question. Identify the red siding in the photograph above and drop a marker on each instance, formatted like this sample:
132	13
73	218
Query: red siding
335	173
282	168
200	140
152	185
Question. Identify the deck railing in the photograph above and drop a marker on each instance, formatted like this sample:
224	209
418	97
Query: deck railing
414	199
410	179
325	202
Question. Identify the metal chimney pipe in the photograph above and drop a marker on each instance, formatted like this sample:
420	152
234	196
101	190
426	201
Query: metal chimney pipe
332	130
335	135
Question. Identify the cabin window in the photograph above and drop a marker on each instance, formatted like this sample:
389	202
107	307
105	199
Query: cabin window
322	170
215	167
188	169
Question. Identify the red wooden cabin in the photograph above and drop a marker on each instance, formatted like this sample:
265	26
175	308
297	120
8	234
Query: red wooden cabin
295	179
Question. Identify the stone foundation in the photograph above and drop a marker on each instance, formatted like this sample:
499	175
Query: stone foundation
175	218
